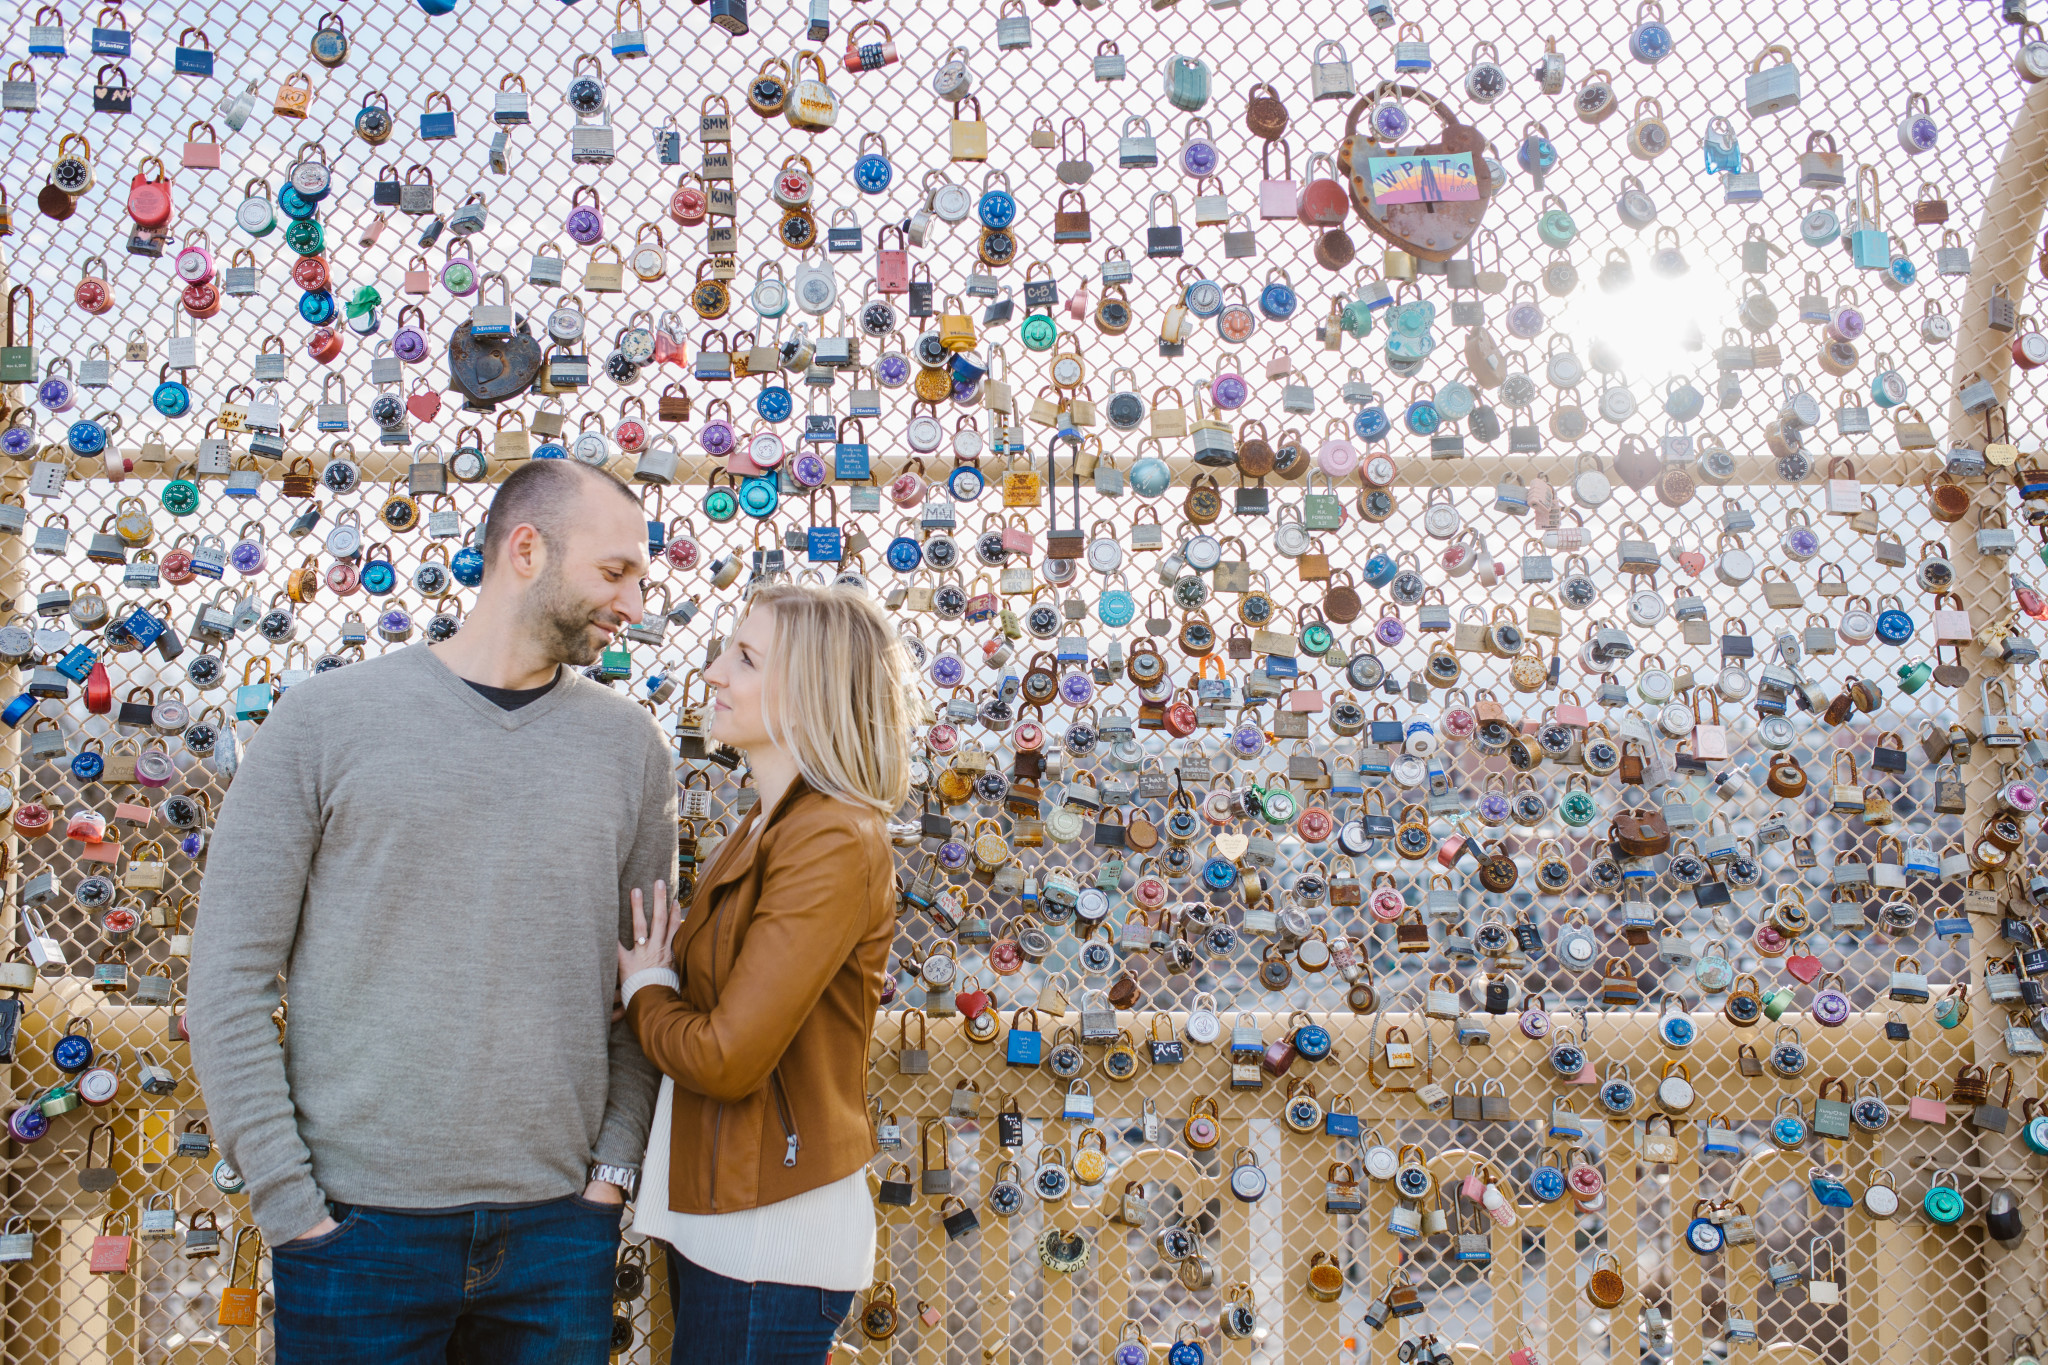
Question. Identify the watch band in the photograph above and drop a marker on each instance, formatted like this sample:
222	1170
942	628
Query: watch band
626	1178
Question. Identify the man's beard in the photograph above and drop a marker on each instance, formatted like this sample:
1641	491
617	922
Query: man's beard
563	623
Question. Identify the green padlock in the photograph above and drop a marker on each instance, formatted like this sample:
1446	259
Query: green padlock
1913	677
615	664
1777	1002
180	497
306	237
18	351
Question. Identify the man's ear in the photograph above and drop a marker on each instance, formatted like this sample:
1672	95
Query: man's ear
525	551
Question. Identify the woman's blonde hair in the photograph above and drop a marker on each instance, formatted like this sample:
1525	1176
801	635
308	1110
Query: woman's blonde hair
838	693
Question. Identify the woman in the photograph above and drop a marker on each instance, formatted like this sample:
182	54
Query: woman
757	1005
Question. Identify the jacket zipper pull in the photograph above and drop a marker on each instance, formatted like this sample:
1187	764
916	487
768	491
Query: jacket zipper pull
789	1152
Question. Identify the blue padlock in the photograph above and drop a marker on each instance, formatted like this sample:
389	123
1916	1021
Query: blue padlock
904	554
1219	874
86	437
1894	626
77	662
317	307
88	764
1379	569
1370	423
1704	1236
1277	301
872	172
550	450
774	403
171	397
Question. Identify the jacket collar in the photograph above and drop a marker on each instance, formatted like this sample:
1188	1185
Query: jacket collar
727	867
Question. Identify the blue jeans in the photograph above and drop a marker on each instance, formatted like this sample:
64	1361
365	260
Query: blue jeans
730	1322
526	1286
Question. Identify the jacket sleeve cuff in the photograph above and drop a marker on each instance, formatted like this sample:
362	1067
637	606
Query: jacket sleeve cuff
650	976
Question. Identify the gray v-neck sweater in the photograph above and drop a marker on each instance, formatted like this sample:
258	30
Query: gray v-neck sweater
442	883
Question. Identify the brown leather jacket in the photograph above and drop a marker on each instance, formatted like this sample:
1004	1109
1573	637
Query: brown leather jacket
781	958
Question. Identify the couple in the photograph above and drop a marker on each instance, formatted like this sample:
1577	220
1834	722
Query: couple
456	856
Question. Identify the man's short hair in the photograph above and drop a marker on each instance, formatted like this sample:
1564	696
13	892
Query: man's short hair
542	494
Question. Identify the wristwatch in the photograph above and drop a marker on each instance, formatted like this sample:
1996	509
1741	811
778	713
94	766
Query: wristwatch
627	1178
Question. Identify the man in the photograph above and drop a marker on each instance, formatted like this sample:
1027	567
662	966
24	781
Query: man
437	847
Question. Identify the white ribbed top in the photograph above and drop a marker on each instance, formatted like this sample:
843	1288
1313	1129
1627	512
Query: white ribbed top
823	1237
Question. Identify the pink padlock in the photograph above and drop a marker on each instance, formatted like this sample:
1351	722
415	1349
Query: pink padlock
2019	797
1585	1179
1534	1020
1077	304
1458	721
1692	561
1277	197
1337	457
908	488
1386	901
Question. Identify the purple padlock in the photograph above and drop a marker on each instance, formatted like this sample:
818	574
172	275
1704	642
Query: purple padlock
1493	808
56	393
1199	158
395	625
409	343
1389	630
1830	1007
893	370
716	437
1077	689
1248	741
1228	390
808	470
1801	542
584	223
17	442
248	555
948	670
27	1123
952	855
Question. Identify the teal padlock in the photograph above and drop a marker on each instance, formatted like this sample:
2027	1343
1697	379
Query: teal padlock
1039	333
1777	1002
1948	1011
720	504
1913	677
1943	1202
1556	227
759	495
615	664
306	237
1187	82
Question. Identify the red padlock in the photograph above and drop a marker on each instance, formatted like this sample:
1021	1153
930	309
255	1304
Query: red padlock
93	293
324	345
972	1004
176	567
149	201
631	432
202	300
688	204
1323	200
311	273
423	403
1180	717
99	690
1029	737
